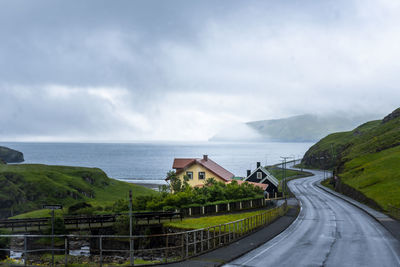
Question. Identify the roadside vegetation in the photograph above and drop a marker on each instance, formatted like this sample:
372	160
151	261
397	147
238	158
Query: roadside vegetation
207	221
183	195
365	160
277	172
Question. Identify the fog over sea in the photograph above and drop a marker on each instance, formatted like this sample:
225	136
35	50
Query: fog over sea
148	162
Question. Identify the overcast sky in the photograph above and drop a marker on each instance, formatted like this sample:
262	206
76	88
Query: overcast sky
183	70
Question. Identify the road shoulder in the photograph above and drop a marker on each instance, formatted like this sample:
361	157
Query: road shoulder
393	226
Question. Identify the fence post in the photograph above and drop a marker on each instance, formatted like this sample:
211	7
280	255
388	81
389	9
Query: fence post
216	208
195	242
166	251
240	205
203	209
187	244
66	250
25	250
182	242
251	203
219	235
228	207
101	250
229	233
201	238
208	238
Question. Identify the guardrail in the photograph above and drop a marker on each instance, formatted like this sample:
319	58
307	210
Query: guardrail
145	249
394	212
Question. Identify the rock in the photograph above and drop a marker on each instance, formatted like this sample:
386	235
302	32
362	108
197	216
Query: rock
9	155
395	114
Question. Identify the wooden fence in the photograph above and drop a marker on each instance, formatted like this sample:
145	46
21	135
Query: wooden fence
137	250
96	221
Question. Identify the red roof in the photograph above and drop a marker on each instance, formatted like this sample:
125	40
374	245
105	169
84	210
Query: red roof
182	163
224	174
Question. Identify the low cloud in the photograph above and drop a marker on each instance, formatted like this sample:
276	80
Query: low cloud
184	70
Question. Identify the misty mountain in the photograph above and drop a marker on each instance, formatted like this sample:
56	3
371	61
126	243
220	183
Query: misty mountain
302	128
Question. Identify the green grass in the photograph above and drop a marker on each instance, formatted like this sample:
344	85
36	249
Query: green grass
278	172
26	187
376	175
207	221
367	159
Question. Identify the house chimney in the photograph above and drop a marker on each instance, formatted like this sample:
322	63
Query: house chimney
205	157
248	173
258	164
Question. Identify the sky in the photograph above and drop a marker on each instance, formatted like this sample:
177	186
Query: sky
184	70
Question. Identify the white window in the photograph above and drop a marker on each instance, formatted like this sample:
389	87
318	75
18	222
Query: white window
259	175
202	175
190	175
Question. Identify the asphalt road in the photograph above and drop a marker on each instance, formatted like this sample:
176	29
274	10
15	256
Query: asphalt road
328	232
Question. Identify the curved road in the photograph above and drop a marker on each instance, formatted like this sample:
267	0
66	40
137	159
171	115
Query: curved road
328	232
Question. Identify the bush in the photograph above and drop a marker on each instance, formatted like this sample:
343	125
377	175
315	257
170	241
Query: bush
121	225
79	208
4	243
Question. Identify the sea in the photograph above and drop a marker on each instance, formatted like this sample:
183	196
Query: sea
148	162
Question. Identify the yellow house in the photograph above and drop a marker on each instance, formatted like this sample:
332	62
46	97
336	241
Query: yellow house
199	170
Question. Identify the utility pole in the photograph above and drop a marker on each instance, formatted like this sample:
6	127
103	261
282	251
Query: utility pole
130	230
284	184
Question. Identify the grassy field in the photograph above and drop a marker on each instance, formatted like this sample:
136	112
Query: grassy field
26	187
367	158
207	221
278	172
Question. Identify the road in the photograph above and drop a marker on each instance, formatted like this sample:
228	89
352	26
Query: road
328	232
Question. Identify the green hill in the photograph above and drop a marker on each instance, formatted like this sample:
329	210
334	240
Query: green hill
302	128
26	187
366	160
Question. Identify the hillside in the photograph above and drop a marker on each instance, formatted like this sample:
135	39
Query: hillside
9	155
366	160
302	128
27	187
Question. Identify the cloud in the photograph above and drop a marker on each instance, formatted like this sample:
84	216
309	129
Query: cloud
185	70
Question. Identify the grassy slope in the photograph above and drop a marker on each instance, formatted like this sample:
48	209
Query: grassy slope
27	186
278	173
206	221
367	159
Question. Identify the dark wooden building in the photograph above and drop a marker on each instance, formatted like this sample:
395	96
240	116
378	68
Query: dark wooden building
261	175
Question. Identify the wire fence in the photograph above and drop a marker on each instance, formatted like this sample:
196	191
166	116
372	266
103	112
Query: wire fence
110	250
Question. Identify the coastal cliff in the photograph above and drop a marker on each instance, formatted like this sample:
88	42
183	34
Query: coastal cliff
9	155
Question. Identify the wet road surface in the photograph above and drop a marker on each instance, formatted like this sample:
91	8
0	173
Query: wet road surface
328	232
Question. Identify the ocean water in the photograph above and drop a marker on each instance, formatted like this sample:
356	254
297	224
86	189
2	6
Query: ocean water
149	162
